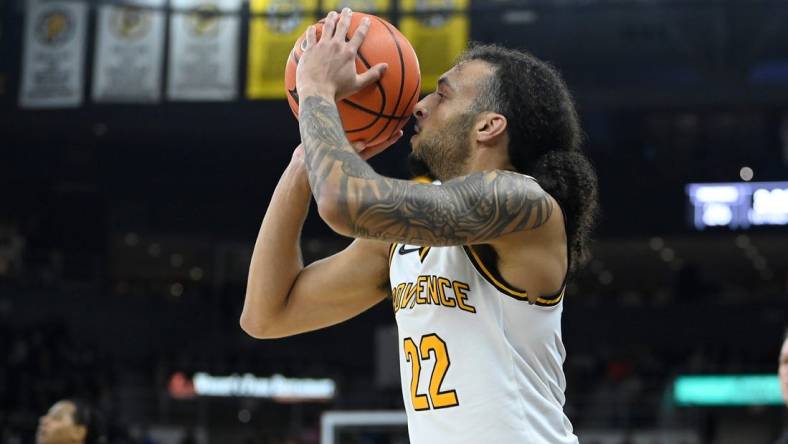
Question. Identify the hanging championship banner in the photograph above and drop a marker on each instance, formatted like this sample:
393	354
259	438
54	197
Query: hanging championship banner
129	50
438	31
54	52
380	8
274	28
203	62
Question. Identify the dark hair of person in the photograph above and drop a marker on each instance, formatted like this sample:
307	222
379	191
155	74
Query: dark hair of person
90	418
544	132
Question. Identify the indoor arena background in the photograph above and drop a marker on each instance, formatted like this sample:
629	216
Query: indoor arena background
126	228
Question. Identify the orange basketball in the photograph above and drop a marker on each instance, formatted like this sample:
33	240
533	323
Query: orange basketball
378	111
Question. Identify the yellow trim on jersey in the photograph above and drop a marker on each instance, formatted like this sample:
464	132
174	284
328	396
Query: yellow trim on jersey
512	292
517	294
423	252
392	249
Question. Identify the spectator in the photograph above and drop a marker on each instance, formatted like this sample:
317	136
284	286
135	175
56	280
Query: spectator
72	422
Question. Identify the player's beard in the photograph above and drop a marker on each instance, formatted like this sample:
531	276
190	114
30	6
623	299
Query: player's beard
445	151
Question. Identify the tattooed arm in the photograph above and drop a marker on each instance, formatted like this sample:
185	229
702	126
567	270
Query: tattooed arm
355	201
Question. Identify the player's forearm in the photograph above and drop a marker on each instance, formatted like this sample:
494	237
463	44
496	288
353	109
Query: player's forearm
276	260
331	161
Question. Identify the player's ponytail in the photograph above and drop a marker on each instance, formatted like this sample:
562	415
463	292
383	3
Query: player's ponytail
569	177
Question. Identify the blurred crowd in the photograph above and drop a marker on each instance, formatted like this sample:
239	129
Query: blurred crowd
117	341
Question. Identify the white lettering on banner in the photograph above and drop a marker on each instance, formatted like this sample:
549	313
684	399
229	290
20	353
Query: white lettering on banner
277	386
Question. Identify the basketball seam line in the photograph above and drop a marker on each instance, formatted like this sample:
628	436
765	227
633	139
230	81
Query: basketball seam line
402	79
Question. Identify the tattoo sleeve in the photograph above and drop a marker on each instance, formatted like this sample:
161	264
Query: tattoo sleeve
469	209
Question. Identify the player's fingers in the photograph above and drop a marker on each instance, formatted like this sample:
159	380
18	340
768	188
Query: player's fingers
359	34
371	76
359	146
393	139
311	37
373	150
328	26
343	24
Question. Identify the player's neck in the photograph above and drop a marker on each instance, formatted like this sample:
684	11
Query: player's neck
487	158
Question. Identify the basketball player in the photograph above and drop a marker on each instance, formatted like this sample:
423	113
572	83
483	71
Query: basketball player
69	422
476	267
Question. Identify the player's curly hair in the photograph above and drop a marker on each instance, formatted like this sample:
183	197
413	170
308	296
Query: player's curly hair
92	419
544	135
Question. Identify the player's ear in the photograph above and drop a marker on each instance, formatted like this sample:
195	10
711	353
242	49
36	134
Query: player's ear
490	126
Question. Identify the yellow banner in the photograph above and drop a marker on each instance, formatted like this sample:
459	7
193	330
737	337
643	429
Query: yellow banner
274	28
381	8
438	37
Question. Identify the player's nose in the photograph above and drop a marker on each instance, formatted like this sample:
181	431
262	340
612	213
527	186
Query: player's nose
420	110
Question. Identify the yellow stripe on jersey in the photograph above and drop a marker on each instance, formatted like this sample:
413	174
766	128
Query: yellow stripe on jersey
391	253
505	288
423	252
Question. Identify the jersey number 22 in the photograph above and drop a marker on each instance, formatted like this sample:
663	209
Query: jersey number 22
431	345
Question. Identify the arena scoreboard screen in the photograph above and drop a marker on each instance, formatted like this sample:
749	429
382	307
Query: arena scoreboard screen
738	205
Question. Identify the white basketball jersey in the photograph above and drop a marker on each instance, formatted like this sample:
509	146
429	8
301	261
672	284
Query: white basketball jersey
479	363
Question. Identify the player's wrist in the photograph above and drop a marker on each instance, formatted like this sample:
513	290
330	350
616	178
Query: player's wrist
298	177
298	183
296	171
325	92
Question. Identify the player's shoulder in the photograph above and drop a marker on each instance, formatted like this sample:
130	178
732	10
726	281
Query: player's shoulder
514	185
499	174
530	189
552	230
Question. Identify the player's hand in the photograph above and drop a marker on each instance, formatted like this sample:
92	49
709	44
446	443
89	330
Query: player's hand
328	64
368	151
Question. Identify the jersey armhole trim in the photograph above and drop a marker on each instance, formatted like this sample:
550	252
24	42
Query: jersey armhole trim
506	288
423	252
392	248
